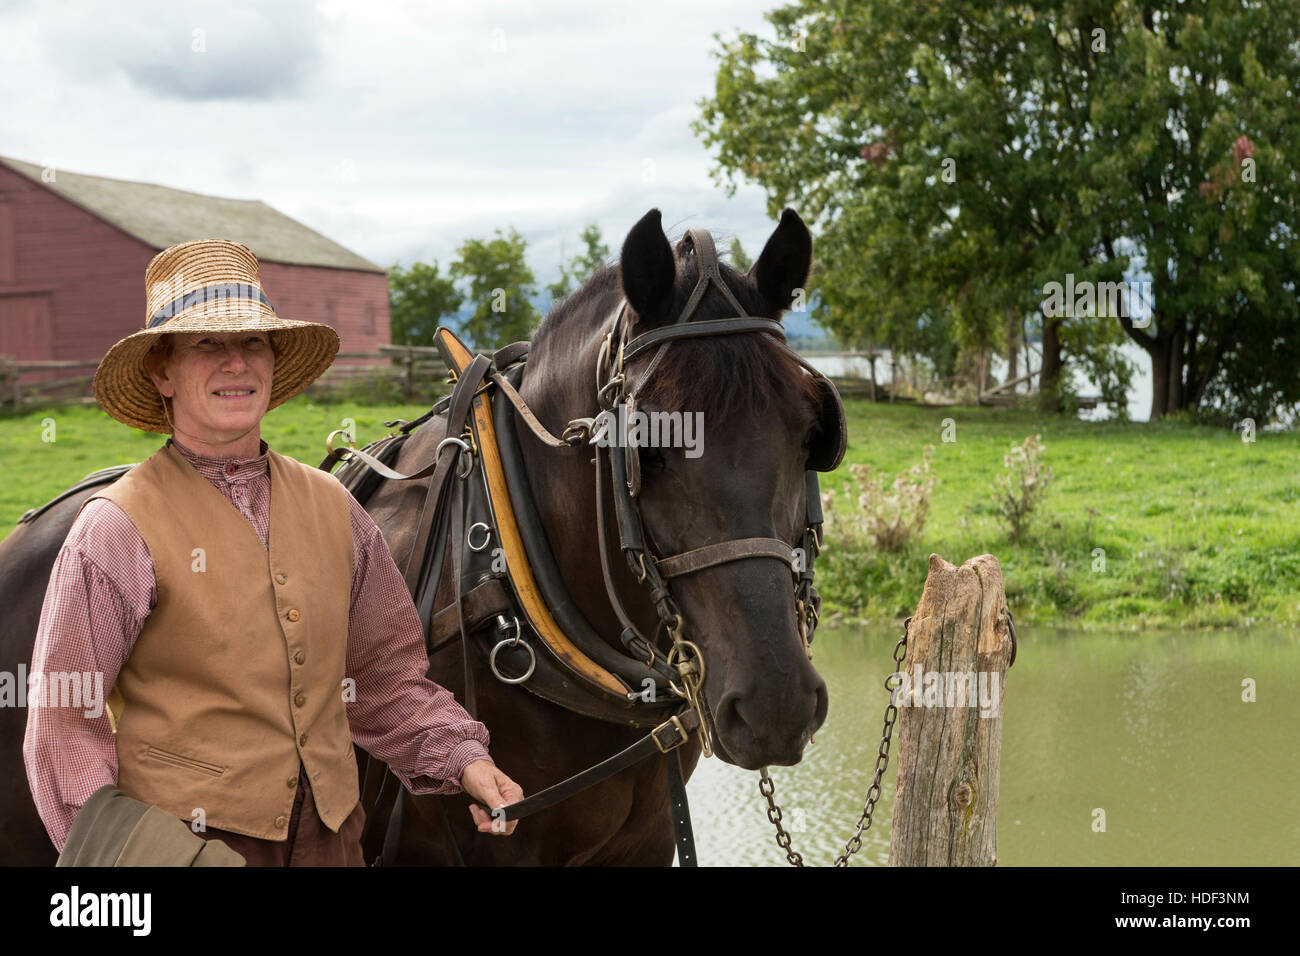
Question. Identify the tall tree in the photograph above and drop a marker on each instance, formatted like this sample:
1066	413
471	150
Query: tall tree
582	266
500	287
418	299
740	260
957	157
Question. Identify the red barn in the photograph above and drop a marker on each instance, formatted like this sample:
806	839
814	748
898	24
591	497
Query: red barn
73	250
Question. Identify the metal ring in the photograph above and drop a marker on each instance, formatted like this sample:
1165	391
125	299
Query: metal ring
487	536
698	659
469	457
532	659
450	440
329	444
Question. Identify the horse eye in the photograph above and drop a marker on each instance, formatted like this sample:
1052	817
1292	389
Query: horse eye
653	461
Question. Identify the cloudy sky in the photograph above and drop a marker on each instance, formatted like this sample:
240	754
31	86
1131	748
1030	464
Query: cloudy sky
396	128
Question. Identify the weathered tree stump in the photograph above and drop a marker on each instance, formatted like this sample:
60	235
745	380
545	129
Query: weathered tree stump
949	732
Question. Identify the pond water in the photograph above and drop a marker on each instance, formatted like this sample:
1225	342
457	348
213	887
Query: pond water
1149	727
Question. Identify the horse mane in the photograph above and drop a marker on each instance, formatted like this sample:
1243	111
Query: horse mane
717	375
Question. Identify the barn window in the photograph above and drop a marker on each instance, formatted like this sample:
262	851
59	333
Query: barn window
368	319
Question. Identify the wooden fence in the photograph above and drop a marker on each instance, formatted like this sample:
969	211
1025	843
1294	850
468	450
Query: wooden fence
413	370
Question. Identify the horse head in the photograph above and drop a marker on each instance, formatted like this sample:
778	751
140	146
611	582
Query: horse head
751	421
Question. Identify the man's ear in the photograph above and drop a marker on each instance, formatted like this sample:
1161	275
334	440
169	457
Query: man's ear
155	366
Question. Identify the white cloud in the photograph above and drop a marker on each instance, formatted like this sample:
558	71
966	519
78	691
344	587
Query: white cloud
397	128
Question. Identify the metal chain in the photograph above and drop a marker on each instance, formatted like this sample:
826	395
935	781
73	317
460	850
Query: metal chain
768	789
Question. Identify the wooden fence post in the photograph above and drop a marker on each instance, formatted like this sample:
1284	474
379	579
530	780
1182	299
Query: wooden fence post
949	733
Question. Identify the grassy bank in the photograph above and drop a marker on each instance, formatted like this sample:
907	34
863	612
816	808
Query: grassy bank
1197	527
34	470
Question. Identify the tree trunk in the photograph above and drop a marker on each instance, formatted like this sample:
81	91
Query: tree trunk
1013	352
1159	354
1167	368
1049	375
949	747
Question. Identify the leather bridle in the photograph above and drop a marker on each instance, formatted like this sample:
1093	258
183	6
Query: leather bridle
619	400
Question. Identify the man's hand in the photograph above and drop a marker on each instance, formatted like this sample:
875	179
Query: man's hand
485	783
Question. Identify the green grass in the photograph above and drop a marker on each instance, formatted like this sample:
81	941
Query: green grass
85	439
1199	529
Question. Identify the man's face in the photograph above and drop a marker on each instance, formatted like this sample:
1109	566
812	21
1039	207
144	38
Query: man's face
219	382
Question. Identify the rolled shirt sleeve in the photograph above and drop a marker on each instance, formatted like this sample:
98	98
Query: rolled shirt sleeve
99	593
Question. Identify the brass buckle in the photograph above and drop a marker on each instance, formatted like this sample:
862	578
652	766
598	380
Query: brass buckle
654	734
467	436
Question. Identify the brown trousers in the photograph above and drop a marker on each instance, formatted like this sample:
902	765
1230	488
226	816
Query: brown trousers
310	842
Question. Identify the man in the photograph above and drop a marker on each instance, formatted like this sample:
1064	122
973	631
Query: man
244	608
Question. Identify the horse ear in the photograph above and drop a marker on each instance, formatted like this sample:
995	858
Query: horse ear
783	265
648	269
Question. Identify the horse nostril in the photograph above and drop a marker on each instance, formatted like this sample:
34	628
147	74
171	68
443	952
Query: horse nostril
822	706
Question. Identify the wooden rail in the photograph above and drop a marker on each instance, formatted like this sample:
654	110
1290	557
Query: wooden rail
24	383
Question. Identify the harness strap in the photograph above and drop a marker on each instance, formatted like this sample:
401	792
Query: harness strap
457	589
688	562
458	413
681	811
691	330
668	736
481	603
526	413
706	254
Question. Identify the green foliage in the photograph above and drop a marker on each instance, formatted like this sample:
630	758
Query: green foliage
740	260
581	267
1019	490
888	519
419	298
500	286
956	157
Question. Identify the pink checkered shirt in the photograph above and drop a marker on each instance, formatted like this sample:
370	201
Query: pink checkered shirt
103	587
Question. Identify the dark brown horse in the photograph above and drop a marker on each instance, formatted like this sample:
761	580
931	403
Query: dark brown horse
761	417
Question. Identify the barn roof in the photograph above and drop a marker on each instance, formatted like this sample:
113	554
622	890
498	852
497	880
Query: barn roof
160	216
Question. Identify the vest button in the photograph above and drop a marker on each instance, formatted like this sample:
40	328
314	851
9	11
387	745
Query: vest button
301	699
293	614
281	578
291	782
300	657
281	822
302	740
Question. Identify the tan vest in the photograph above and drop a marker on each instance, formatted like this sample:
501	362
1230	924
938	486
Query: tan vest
237	674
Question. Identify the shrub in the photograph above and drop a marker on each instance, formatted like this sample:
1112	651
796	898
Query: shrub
889	518
1020	490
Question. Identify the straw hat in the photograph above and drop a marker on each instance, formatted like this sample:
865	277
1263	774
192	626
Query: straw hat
209	285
